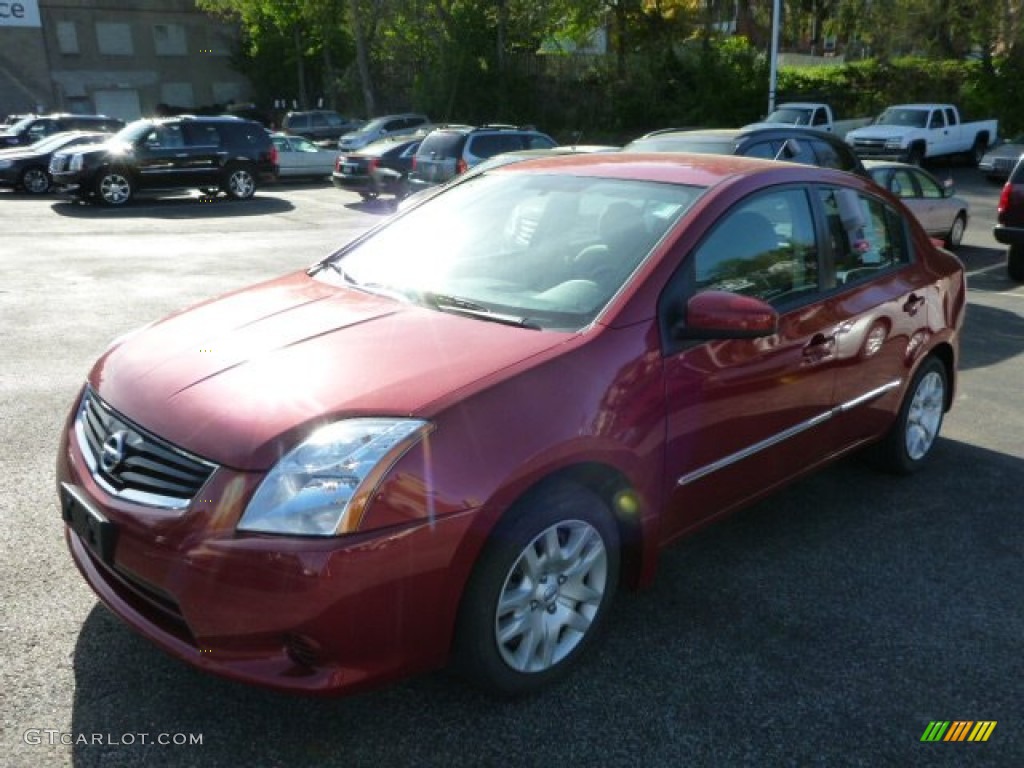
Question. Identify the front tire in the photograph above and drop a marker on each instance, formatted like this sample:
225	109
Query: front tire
35	180
908	444
540	592
1015	263
240	184
956	232
114	186
915	155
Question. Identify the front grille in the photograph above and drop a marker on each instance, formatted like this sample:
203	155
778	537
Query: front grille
869	144
134	464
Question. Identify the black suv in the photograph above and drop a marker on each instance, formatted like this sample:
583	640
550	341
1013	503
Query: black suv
1009	229
790	143
32	128
170	154
453	149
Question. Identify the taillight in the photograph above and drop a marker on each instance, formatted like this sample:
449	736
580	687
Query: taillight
338	162
414	162
461	167
1004	199
273	154
373	164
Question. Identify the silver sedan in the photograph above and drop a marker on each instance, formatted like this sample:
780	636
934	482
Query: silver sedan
297	156
935	204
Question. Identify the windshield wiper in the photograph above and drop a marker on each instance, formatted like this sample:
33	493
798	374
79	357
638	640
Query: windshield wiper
457	305
377	289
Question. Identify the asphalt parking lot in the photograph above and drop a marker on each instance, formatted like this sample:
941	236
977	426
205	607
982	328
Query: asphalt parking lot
827	626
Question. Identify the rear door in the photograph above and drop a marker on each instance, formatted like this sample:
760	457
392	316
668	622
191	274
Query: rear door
205	154
882	299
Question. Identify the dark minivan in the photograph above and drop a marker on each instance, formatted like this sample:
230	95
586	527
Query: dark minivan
32	128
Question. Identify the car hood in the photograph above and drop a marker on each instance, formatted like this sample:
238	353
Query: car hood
881	132
239	380
1006	150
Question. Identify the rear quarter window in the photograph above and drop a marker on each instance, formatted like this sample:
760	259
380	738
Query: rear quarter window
442	144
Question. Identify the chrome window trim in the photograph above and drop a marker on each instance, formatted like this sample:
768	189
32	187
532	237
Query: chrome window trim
786	434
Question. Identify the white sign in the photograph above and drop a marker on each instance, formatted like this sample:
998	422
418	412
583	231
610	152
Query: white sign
19	13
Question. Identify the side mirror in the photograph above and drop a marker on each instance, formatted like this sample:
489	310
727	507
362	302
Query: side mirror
724	315
948	188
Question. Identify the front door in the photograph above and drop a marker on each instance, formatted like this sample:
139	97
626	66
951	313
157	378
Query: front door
744	415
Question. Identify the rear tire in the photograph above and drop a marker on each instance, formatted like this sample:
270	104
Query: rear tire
1015	263
239	184
540	592
956	232
35	180
908	444
977	151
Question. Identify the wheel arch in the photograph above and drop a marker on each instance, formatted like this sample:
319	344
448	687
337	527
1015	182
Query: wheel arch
944	353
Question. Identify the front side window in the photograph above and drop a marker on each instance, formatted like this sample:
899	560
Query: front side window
865	235
765	248
549	249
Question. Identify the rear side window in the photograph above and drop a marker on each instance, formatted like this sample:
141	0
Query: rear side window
489	144
536	141
202	135
830	157
865	235
298	121
442	144
243	134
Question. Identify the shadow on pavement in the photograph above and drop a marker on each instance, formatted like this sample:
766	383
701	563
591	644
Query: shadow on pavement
990	335
826	626
179	207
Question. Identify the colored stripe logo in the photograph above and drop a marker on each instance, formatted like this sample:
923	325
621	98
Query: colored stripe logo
958	730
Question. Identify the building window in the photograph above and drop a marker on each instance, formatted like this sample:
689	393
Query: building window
67	37
169	40
114	38
177	95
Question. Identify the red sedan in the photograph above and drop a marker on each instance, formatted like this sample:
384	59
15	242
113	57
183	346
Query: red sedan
454	438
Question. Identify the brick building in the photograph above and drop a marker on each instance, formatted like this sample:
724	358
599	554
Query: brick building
116	57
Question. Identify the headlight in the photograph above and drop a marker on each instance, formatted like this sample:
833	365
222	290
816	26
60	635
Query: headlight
76	163
893	144
321	487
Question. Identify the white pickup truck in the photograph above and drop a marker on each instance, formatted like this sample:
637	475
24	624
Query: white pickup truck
913	132
810	114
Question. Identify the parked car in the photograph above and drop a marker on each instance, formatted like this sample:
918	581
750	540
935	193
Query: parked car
27	168
814	115
298	157
790	143
507	158
451	150
170	154
941	212
381	128
318	124
32	128
381	168
1000	159
1009	229
913	133
457	435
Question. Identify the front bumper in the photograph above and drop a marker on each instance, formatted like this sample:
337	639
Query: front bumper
309	615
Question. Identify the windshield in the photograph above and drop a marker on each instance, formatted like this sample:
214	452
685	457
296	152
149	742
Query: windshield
56	141
370	127
21	125
134	131
548	251
790	116
915	118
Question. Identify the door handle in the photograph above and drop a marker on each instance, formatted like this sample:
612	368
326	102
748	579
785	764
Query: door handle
913	304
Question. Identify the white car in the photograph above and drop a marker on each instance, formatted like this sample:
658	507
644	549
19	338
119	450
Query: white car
935	204
297	157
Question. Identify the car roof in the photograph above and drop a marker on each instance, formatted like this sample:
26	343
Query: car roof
674	167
